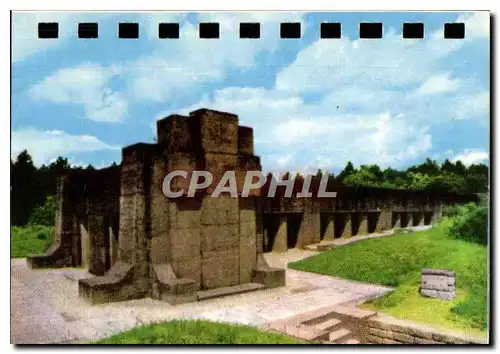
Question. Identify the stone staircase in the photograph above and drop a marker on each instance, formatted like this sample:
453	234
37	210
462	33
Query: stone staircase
341	324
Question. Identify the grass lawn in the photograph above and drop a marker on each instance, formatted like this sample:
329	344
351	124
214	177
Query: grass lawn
397	260
197	332
28	240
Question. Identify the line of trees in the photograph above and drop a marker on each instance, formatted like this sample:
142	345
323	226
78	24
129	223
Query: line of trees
32	187
448	177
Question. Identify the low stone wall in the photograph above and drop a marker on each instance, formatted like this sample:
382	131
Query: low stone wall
384	329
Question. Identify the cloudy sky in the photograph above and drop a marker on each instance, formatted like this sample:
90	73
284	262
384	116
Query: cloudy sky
313	103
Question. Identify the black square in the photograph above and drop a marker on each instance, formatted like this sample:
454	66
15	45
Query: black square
168	30
370	30
413	30
290	30
48	30
209	30
250	30
87	30
330	30
128	30
454	30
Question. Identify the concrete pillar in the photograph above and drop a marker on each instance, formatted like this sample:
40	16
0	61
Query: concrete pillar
421	221
363	223
397	220
409	217
310	228
329	228
85	246
280	240
384	221
347	229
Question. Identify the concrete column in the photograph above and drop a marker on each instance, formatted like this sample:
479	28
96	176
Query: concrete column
280	240
310	228
384	221
347	228
330	227
409	219
421	221
85	246
363	223
397	220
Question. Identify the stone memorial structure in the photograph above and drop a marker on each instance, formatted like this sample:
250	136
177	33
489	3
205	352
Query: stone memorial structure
438	283
137	242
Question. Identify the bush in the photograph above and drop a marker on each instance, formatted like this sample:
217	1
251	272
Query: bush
451	211
470	224
44	214
31	239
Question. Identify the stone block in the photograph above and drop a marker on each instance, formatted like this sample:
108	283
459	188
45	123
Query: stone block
245	139
270	277
220	270
160	250
189	268
428	293
218	131
425	341
219	211
446	295
185	243
380	333
402	337
219	238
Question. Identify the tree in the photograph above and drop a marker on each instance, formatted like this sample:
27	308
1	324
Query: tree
363	177
429	167
348	170
44	214
23	188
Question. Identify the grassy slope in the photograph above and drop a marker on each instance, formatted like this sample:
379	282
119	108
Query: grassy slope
397	261
197	332
29	240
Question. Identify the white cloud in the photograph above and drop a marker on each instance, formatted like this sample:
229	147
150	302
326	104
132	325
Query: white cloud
291	134
45	146
87	85
179	66
472	106
471	156
391	62
440	83
477	24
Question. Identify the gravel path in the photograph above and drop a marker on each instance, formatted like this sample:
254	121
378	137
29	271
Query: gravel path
45	307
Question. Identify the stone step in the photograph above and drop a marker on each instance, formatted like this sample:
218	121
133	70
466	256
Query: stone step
230	290
316	316
327	325
313	247
352	312
306	333
351	341
338	335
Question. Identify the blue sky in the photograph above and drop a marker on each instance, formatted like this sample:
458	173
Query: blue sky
399	101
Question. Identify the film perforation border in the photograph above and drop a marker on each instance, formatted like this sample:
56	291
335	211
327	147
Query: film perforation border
252	30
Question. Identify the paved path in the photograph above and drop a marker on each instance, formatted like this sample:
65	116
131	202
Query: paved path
45	307
338	242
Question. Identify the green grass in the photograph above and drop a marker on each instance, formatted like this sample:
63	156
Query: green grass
397	261
29	240
197	332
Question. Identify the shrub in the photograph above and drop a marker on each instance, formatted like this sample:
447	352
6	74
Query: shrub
451	211
470	224
44	214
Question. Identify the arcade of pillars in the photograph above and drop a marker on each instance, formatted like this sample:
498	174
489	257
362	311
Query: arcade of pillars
138	243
